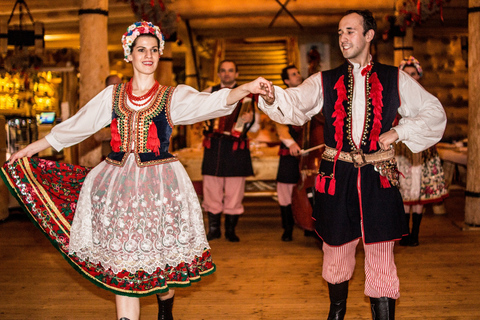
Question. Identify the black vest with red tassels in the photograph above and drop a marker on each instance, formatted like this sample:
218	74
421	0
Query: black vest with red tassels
145	132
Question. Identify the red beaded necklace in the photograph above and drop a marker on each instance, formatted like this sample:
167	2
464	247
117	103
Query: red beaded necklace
147	96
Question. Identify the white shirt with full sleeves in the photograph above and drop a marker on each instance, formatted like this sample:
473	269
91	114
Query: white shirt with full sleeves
188	106
423	117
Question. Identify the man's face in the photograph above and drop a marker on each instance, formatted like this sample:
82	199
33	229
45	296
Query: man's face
294	78
353	44
227	73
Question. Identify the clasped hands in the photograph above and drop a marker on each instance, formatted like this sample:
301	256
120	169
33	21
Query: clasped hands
264	88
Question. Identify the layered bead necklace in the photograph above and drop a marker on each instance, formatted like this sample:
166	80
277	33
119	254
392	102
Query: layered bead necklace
146	98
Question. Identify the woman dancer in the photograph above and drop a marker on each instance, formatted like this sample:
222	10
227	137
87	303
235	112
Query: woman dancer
137	227
423	180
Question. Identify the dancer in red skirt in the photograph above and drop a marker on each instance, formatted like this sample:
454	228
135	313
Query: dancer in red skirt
133	224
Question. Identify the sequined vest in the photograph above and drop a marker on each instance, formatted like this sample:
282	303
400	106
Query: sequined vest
145	132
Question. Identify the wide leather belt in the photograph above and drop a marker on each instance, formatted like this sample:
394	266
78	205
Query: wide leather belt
357	157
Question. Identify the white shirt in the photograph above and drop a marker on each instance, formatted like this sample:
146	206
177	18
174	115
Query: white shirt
188	106
423	117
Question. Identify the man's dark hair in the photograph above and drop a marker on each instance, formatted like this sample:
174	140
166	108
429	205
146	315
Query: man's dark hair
369	22
226	60
285	72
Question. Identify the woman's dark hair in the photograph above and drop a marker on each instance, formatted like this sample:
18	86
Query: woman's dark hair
145	35
369	22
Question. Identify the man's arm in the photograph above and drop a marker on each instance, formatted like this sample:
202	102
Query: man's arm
295	105
423	117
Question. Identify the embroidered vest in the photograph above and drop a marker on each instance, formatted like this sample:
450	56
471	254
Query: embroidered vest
383	100
145	132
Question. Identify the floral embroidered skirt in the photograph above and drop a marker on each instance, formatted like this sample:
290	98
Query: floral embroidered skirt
422	180
132	230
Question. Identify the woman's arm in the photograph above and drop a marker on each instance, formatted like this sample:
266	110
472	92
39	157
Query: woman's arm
189	106
30	150
95	115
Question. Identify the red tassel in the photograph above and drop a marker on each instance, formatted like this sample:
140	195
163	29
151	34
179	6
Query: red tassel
242	145
115	142
152	140
331	187
235	146
207	143
320	184
384	183
377	103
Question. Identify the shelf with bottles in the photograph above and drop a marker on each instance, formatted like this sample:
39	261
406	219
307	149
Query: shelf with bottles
28	93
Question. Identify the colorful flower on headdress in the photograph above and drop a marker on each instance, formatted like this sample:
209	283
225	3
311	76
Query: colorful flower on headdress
139	28
411	62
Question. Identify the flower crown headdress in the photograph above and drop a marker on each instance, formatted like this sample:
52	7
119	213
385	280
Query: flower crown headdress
137	29
412	62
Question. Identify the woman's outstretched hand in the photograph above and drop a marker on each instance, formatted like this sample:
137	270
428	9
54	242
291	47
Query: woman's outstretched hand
30	150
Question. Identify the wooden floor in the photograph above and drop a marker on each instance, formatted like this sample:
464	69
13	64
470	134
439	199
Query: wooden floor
260	277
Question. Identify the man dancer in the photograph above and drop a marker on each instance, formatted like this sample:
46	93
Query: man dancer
288	167
357	196
226	158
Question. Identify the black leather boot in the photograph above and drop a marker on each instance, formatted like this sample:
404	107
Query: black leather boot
287	222
214	226
230	224
338	300
416	219
383	308
165	308
405	241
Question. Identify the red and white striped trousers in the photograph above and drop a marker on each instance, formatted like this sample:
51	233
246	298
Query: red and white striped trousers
381	278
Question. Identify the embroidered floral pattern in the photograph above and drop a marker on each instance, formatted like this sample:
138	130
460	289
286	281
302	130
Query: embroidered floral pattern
137	29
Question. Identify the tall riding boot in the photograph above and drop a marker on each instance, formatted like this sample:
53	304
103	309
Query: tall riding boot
338	300
214	226
405	241
165	308
383	308
230	224
416	219
287	222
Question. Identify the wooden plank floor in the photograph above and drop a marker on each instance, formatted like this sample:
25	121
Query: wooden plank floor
260	277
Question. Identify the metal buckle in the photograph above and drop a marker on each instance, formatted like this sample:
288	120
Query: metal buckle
354	155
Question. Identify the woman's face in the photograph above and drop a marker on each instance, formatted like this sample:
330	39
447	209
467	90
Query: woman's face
412	72
145	55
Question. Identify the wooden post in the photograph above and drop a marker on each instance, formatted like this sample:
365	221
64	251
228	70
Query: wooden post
164	73
4	194
94	67
403	46
472	193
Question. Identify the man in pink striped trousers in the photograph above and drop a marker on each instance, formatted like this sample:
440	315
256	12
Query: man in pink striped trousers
356	191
